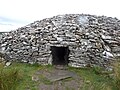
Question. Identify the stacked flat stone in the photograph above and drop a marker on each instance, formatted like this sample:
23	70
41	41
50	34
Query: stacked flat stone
92	40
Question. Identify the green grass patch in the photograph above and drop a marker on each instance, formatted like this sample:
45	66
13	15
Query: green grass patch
9	78
18	76
94	79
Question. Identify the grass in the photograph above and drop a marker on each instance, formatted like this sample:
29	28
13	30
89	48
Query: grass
97	78
9	78
116	76
92	80
18	76
28	70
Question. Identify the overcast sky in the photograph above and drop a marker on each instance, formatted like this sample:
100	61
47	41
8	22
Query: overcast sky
17	13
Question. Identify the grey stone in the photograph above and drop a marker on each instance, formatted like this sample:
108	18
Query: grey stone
8	64
92	40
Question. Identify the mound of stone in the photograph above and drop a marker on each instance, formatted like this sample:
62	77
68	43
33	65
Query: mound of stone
91	40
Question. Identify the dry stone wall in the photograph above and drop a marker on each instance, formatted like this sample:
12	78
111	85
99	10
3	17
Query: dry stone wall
92	40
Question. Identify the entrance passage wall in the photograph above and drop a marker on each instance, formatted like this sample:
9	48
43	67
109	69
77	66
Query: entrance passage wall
92	40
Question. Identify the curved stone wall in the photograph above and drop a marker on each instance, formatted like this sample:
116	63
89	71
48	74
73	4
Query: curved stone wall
92	40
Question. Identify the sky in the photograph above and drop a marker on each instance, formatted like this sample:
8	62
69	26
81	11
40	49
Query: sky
18	13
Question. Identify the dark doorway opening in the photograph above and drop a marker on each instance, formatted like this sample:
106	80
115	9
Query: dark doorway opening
60	55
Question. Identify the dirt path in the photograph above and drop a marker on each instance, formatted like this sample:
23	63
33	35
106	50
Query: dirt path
57	79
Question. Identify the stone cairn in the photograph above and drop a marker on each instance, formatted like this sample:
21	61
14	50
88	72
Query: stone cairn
92	40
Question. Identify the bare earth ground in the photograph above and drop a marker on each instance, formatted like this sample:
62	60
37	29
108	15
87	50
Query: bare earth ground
57	79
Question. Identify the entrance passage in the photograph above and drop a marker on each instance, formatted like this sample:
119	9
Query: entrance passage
60	55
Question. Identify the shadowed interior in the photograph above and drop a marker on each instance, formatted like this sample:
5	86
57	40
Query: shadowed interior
60	55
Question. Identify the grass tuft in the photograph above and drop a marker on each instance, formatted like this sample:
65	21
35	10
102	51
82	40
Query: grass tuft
116	75
9	79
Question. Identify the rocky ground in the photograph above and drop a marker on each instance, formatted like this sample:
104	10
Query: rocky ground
57	79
